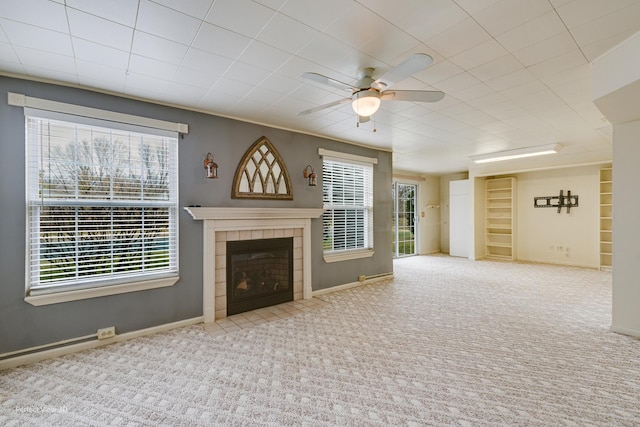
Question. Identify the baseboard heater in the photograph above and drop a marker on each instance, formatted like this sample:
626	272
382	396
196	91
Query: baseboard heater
103	336
362	278
50	346
361	281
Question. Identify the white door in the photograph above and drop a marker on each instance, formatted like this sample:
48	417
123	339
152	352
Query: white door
459	218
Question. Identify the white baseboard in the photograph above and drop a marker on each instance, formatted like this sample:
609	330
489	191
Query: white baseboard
435	251
625	331
25	359
557	262
352	285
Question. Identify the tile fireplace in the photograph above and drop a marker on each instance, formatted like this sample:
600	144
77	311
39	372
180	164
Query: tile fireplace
259	273
222	226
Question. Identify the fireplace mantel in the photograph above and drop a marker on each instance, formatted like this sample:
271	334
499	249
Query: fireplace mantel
216	219
204	213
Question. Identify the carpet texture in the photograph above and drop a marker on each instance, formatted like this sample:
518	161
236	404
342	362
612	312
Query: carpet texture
446	342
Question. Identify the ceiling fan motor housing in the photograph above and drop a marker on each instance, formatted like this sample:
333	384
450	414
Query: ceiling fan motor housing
365	78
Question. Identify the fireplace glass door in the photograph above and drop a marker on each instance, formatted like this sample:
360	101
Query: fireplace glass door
259	273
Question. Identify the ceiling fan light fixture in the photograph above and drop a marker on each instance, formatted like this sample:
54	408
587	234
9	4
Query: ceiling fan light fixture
366	102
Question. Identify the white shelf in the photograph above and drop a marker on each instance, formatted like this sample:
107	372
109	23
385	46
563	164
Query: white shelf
606	216
499	218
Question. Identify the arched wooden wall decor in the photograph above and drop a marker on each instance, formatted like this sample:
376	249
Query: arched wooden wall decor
262	174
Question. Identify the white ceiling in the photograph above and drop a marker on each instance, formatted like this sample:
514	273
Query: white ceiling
516	73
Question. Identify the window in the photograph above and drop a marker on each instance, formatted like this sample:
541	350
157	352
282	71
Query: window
348	202
102	203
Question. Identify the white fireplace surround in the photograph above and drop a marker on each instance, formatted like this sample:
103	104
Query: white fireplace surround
248	219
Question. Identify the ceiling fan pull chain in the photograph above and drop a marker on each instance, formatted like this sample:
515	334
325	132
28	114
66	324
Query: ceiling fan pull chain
374	124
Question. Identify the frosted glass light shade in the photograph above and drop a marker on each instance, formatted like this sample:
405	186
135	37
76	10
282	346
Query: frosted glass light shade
366	102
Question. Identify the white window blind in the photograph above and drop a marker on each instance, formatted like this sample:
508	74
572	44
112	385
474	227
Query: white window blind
348	203
102	203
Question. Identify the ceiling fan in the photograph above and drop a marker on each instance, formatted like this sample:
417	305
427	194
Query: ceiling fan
367	92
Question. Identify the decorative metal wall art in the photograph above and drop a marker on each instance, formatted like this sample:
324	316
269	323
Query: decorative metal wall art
262	174
561	201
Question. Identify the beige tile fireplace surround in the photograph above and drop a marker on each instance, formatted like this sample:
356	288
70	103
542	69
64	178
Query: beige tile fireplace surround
221	225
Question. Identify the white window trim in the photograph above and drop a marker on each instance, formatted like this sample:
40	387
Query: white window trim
346	156
330	257
19	100
80	294
27	102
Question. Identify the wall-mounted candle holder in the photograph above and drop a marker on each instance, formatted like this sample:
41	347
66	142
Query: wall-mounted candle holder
310	175
211	166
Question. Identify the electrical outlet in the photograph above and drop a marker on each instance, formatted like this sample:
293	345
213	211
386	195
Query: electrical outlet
105	333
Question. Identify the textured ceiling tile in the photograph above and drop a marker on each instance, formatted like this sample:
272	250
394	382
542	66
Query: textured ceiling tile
316	14
220	41
25	35
98	30
286	34
166	23
121	11
458	38
505	15
158	48
195	8
495	59
532	32
241	16
547	49
151	67
496	68
357	25
479	55
40	13
579	12
438	72
99	54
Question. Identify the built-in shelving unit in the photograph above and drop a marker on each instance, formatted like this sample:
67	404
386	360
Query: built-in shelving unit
606	213
500	218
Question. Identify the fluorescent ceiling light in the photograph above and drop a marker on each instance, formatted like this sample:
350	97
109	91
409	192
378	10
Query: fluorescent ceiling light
518	153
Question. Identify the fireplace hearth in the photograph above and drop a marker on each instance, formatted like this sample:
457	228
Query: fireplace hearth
259	273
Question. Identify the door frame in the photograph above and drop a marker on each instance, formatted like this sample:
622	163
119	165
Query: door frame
395	221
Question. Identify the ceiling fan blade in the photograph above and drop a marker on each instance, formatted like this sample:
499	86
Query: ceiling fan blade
319	78
406	68
322	107
412	95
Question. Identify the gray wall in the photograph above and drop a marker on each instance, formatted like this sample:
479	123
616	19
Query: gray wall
23	325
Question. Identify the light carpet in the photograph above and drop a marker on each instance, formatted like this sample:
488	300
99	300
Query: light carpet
447	342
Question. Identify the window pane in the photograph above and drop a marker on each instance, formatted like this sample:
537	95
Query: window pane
102	203
348	200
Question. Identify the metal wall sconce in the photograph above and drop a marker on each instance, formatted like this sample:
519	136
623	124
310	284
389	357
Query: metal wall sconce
311	176
211	166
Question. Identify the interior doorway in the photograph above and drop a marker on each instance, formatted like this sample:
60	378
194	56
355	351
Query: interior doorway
405	220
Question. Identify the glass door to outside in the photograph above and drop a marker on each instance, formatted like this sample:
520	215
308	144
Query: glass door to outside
405	220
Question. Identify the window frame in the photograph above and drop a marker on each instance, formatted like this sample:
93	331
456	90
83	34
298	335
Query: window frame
367	162
121	122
